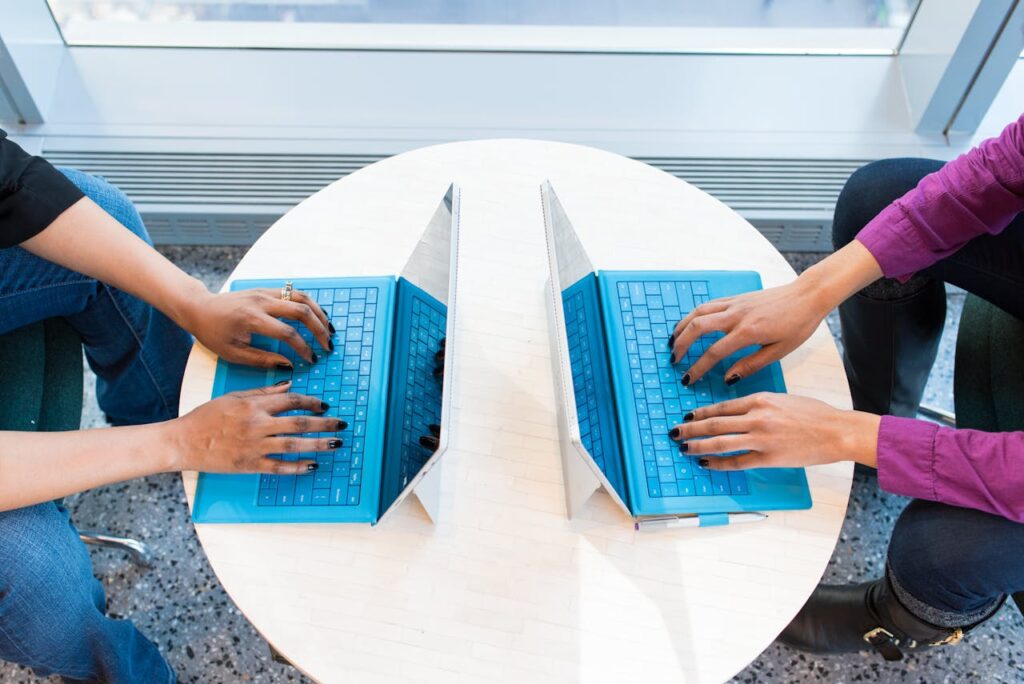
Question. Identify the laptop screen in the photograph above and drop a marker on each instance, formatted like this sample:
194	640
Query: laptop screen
419	396
415	392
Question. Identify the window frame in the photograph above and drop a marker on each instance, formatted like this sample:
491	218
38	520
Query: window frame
704	104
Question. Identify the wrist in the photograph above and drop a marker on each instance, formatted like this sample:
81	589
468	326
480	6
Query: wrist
174	456
815	291
186	301
857	437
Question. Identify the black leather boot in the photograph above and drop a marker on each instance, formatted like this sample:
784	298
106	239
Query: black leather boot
858	617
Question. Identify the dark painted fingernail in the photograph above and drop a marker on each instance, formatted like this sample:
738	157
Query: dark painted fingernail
674	360
688	417
315	357
284	366
333	443
686	379
342	425
312	466
674	433
430	442
683	446
281	382
443	340
703	462
439	371
671	339
330	345
439	356
732	379
324	406
435	430
330	326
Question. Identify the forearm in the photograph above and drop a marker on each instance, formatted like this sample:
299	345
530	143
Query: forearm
88	240
840	275
854	437
42	466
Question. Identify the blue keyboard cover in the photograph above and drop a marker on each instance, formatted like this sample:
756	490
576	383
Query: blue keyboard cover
647	313
640	311
415	399
352	379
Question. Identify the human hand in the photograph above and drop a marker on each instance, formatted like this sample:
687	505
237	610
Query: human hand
236	432
777	431
226	322
778	320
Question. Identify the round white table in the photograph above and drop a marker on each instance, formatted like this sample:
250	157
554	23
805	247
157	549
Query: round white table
505	587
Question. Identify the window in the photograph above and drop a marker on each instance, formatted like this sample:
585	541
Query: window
658	26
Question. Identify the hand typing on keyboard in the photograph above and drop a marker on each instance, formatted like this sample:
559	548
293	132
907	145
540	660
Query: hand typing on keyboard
236	432
778	319
225	324
777	431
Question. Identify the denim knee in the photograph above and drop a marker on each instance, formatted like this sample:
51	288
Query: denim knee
110	198
47	589
872	188
955	563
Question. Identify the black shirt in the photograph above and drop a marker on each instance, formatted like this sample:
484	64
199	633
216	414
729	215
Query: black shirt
32	193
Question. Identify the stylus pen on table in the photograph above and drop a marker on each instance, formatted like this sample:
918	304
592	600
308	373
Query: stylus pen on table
653	524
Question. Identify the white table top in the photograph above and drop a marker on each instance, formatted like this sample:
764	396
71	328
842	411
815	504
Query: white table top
505	587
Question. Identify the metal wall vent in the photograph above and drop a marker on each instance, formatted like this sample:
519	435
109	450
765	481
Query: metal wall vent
214	198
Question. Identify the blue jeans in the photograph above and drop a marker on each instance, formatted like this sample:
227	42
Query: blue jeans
52	609
137	353
950	566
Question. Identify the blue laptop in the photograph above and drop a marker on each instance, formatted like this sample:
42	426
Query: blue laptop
620	395
387	377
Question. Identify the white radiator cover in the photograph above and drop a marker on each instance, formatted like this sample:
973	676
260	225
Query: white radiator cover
230	198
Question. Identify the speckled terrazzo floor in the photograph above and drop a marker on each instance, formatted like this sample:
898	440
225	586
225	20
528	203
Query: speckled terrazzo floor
180	604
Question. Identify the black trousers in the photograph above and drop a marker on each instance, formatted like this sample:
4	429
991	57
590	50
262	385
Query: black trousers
951	565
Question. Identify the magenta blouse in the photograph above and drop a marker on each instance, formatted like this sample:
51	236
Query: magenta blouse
980	192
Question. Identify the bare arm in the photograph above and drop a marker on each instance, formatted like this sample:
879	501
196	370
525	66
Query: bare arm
86	239
40	466
231	434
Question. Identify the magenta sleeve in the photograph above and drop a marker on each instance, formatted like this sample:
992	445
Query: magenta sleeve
966	468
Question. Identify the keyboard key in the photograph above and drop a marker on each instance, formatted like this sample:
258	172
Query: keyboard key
637	295
303	490
738	483
668	294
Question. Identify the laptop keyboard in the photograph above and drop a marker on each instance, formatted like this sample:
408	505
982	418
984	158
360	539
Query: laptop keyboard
649	311
342	379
